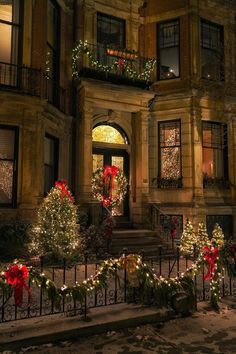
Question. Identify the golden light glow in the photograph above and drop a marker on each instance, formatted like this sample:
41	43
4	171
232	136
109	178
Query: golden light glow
107	134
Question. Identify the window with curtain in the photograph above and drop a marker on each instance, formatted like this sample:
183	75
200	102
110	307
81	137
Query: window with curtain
53	52
170	173
51	155
168	50
10	41
214	150
8	165
212	50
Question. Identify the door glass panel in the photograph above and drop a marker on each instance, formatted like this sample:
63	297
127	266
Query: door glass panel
97	161
118	161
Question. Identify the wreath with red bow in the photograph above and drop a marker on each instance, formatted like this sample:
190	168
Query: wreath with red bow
109	185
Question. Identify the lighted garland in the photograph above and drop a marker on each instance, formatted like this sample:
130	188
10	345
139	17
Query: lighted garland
83	48
103	183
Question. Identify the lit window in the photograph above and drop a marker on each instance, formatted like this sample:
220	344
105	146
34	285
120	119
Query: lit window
170	154
51	152
168	48
214	150
107	134
212	51
8	165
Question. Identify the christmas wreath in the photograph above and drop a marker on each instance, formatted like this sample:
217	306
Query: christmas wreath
109	185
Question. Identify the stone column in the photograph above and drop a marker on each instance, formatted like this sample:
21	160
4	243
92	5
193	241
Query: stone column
84	154
196	147
141	167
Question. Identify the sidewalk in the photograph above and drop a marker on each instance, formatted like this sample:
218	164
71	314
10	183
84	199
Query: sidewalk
46	329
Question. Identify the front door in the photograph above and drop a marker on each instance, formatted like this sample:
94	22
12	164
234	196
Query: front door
114	157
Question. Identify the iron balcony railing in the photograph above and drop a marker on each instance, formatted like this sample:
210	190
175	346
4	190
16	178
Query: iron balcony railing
215	183
119	66
33	82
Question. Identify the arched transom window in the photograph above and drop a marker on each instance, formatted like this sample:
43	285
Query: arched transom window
108	134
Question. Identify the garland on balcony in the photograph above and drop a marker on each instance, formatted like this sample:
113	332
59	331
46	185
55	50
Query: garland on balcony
119	63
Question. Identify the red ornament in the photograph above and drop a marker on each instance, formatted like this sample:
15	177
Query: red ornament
64	191
109	175
211	254
16	276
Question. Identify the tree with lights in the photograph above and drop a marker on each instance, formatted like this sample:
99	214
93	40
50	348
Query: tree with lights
217	236
202	236
188	239
56	230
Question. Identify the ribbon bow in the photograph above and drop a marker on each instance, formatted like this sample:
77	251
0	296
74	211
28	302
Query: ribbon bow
109	175
210	255
64	191
16	276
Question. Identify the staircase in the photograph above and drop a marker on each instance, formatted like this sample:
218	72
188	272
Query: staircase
135	241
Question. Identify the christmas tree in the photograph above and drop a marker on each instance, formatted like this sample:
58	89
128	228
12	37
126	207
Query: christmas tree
188	239
202	236
56	230
217	236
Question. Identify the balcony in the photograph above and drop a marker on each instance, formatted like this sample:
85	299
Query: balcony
215	182
33	82
168	183
118	66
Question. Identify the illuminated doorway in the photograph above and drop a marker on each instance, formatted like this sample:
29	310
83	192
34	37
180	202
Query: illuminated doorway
110	148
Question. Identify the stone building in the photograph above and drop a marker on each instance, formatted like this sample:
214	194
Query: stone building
172	130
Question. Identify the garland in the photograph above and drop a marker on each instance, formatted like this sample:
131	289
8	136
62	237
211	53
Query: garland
103	185
83	48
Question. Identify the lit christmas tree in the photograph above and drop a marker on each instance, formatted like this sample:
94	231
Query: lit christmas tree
217	236
56	231
188	239
202	236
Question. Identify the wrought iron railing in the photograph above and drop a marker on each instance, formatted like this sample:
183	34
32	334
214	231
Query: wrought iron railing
167	183
119	66
34	82
118	290
215	183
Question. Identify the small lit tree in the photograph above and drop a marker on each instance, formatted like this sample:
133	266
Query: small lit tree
188	239
202	236
217	236
56	230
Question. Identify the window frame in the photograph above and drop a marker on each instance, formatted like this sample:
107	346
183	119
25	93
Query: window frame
159	49
176	183
13	203
223	148
55	159
219	52
102	14
20	26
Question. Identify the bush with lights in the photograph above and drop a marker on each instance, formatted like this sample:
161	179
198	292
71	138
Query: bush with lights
188	239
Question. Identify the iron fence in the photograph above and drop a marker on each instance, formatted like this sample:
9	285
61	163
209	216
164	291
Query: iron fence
117	291
33	82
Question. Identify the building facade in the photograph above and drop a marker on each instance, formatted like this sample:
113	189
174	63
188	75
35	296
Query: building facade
171	127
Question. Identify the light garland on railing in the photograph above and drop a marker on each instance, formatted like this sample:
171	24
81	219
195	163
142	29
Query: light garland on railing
83	48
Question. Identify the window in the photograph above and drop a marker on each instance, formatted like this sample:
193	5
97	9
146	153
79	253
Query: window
170	174
110	34
51	153
108	134
214	152
212	51
10	43
53	53
168	50
110	31
171	227
8	165
225	222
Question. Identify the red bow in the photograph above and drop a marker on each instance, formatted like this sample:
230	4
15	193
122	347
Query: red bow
121	62
108	182
16	276
64	191
210	255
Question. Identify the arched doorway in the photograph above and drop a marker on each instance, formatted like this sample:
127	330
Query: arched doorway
110	145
